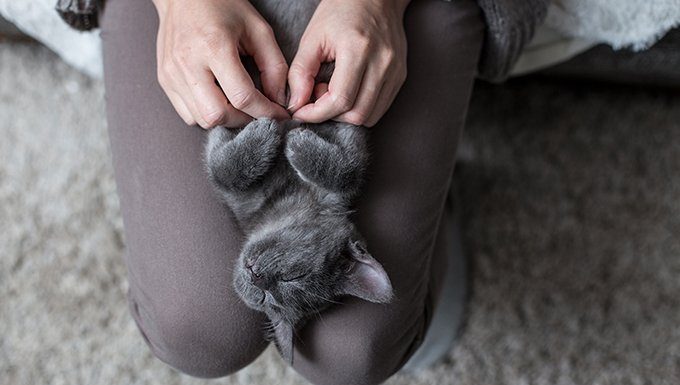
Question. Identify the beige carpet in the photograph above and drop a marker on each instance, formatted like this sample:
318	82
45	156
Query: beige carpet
572	217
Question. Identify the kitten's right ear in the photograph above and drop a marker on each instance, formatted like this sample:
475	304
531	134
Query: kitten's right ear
366	277
283	337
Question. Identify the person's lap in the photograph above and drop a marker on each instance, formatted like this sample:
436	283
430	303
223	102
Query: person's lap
181	242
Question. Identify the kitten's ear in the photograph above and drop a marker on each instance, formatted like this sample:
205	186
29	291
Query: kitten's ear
283	338
366	277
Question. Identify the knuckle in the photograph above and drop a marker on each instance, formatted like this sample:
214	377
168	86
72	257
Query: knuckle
361	40
242	99
215	117
371	123
164	76
278	68
262	28
343	102
297	70
161	78
388	56
166	69
181	56
164	85
357	118
214	43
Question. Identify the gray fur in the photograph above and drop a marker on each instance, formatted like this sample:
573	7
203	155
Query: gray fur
290	186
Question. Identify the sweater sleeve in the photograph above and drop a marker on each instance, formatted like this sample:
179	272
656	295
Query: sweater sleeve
510	24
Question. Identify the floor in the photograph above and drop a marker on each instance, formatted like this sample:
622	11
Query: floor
571	207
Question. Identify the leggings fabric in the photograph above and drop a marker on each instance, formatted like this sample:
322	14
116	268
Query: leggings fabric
181	242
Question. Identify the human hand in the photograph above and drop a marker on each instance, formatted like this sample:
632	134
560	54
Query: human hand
199	67
366	40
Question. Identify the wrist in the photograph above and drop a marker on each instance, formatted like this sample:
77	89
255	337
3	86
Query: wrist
394	7
399	5
161	6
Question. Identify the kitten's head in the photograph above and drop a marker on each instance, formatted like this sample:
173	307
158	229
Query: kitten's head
293	269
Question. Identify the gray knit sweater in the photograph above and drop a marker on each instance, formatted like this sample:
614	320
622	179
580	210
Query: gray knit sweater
510	25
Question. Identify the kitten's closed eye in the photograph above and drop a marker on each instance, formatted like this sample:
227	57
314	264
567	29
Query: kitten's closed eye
293	277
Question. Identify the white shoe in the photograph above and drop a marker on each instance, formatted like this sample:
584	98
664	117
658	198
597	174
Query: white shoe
448	315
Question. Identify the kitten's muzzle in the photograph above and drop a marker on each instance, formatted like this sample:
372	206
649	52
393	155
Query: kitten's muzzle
261	281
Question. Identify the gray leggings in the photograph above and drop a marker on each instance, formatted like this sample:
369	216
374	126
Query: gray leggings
181	242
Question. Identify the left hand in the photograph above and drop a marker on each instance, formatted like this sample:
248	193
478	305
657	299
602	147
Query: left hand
366	40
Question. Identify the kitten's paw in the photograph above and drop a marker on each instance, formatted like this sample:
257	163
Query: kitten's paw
218	137
216	147
302	147
238	163
319	162
261	136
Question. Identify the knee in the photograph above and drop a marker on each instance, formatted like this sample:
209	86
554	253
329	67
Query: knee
366	362
360	354
199	342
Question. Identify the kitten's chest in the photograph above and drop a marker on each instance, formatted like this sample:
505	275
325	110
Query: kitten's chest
288	19
279	193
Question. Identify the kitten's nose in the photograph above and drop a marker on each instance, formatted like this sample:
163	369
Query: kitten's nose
259	280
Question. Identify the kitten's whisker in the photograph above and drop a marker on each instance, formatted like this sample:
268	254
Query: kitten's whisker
318	314
316	295
324	298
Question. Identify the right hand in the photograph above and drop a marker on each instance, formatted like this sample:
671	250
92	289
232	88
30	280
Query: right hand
200	42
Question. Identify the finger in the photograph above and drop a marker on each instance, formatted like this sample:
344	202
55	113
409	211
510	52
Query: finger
369	91
175	99
342	90
190	102
177	92
234	118
319	90
181	108
302	72
385	100
211	103
262	45
239	88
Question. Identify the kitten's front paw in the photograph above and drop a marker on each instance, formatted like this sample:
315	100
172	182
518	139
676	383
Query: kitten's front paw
303	150
237	163
261	136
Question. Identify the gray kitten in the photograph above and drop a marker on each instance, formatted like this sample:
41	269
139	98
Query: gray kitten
290	191
290	186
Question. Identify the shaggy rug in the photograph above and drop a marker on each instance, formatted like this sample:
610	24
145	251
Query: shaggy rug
571	220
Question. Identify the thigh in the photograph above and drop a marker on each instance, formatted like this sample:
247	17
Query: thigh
181	242
413	151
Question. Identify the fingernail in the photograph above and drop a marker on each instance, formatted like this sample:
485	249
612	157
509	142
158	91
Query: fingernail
292	106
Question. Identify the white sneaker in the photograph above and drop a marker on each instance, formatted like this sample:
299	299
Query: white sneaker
448	315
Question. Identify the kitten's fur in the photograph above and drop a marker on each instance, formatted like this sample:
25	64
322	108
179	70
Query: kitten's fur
290	186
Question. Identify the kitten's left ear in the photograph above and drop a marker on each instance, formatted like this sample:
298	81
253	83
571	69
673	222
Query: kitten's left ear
366	277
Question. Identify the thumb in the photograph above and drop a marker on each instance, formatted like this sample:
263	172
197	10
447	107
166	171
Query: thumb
302	72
